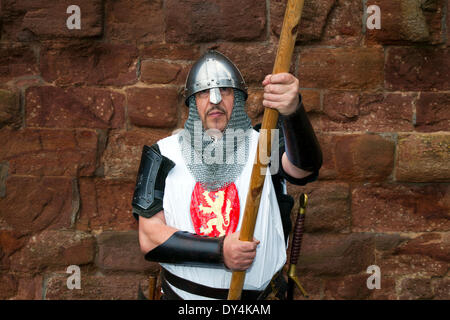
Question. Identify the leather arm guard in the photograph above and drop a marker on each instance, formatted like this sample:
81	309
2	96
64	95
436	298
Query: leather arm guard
302	148
150	183
189	249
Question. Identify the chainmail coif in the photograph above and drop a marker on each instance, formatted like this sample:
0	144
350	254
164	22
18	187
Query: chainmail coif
215	163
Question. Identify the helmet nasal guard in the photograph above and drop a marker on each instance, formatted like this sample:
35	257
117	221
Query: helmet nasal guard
213	70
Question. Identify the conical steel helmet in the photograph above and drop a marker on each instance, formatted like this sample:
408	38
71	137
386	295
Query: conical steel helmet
213	70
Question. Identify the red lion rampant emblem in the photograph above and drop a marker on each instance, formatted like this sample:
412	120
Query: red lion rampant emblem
216	213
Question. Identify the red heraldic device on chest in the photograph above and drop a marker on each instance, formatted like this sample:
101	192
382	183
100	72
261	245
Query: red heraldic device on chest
215	213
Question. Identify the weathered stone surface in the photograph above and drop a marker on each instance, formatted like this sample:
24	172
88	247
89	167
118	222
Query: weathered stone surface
9	109
397	208
448	23
106	205
10	242
352	111
351	287
441	288
54	248
49	152
16	60
366	157
311	100
413	289
417	68
410	255
423	158
408	21
31	20
139	21
313	20
433	112
153	107
123	152
121	251
34	204
328	206
97	287
336	254
172	51
433	245
200	21
89	63
55	107
161	72
397	266
341	68
3	174
29	288
388	242
344	24
8	287
328	170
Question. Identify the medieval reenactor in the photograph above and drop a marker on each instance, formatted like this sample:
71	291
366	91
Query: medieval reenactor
192	186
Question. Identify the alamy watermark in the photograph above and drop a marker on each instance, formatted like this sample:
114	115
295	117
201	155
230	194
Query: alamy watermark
73	281
374	281
74	20
373	20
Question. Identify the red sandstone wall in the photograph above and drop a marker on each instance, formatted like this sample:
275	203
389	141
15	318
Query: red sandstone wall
76	106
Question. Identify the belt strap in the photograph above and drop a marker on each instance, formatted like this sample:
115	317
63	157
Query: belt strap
205	291
169	294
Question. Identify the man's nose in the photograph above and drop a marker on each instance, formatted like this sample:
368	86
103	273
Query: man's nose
214	96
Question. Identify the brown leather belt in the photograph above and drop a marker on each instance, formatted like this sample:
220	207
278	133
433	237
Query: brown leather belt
202	290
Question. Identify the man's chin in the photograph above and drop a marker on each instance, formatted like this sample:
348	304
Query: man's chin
218	125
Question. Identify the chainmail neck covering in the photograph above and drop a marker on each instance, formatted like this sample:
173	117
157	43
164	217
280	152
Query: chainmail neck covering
216	163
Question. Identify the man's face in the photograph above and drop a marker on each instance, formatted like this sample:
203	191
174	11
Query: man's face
215	116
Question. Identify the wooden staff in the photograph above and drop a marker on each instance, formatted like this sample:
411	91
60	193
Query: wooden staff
282	63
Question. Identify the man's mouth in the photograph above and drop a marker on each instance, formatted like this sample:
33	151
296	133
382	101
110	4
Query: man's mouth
215	113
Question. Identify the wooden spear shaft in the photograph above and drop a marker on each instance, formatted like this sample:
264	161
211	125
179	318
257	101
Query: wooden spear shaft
282	63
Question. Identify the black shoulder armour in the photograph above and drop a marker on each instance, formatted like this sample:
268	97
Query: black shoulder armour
150	182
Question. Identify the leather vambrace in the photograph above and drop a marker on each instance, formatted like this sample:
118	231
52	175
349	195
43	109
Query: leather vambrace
302	148
189	249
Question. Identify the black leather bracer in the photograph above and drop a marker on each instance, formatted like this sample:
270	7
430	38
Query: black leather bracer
302	147
150	182
189	249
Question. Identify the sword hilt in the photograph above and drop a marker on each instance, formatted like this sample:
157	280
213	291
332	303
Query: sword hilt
296	246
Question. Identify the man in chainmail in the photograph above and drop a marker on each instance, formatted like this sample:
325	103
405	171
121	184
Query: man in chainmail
192	186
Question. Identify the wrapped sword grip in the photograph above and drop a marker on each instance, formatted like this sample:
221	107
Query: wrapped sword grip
298	230
297	238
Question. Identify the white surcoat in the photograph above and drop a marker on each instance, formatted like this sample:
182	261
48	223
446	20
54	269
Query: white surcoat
271	252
